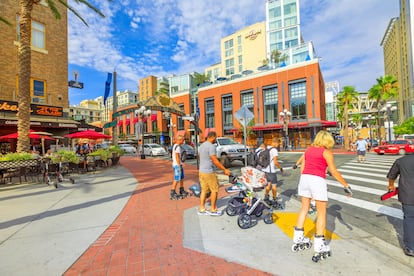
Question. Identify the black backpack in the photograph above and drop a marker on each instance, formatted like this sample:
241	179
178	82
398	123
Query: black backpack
263	158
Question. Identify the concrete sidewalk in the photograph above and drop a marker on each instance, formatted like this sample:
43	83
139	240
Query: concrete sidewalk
119	221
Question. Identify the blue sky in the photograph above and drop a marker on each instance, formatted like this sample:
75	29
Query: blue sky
164	37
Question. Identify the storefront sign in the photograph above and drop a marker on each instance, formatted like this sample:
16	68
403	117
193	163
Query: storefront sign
35	109
15	123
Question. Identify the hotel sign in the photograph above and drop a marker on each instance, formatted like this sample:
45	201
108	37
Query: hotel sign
35	109
252	35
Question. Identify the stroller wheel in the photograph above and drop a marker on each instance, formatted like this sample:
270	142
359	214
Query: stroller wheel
230	210
268	219
244	221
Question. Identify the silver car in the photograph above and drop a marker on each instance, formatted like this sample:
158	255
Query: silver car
128	148
154	150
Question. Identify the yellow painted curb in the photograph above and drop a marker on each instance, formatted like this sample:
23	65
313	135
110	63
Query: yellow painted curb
287	221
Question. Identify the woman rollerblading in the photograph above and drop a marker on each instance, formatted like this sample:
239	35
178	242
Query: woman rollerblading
322	250
300	242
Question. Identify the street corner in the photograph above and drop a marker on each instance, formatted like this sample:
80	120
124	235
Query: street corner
287	221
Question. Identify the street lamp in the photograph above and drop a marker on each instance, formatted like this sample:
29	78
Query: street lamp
285	116
170	126
143	112
370	118
388	109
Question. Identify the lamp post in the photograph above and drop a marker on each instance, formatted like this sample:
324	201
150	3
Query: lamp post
170	126
370	118
388	109
143	113
285	116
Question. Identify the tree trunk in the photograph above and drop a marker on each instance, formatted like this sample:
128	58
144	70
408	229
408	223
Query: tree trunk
346	139
24	56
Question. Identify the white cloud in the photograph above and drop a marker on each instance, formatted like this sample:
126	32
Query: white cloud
181	36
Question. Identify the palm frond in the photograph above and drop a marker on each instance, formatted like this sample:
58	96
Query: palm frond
92	7
5	21
70	8
52	7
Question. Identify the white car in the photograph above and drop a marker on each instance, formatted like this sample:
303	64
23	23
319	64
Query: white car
154	150
128	148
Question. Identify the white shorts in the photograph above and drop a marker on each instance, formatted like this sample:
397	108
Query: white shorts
312	186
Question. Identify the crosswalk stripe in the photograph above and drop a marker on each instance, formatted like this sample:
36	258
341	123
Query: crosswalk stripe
361	171
389	211
373	181
365	169
373	163
356	187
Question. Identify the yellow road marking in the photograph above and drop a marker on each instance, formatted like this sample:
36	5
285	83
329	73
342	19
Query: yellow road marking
287	221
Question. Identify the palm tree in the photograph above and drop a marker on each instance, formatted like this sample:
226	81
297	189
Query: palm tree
24	58
277	57
345	99
200	78
385	88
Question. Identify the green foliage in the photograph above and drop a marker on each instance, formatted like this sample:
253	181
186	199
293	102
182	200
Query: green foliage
14	156
104	154
407	127
117	150
64	156
200	78
277	57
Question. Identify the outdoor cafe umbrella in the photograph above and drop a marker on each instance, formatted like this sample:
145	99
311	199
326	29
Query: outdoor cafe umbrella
88	134
32	135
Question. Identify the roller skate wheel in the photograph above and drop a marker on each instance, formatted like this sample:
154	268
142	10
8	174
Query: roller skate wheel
316	258
308	245
295	247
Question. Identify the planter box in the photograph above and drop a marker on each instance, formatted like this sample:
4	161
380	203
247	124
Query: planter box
18	164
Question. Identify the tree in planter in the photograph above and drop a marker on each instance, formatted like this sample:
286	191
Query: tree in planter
407	127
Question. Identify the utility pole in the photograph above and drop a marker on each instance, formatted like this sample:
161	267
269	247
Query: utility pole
114	109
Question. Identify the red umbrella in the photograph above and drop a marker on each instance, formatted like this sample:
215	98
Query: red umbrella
88	134
31	136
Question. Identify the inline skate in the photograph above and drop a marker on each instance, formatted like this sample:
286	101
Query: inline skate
175	196
300	242
183	193
322	250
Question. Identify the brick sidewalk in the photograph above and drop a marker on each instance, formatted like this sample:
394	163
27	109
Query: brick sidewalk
146	238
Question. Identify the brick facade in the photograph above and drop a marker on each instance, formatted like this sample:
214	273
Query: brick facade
49	64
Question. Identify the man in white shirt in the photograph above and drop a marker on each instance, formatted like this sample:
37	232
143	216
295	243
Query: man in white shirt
178	170
361	147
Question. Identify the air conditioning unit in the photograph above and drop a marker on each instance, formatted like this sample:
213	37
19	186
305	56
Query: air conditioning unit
38	100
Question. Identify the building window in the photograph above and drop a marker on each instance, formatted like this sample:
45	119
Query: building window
38	33
297	93
240	63
239	44
227	111
209	104
247	99
229	66
38	88
270	98
180	121
228	48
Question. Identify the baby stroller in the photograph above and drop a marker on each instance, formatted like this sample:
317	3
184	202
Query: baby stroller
247	204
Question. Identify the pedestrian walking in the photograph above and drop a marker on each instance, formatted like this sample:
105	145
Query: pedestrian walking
312	184
178	170
270	168
361	147
404	167
207	176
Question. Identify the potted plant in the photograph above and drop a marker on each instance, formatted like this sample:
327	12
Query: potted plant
101	155
117	152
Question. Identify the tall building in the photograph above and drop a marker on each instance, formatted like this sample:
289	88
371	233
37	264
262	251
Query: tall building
284	35
331	90
245	49
398	48
147	88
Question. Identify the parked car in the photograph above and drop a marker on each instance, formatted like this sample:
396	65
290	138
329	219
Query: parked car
395	147
129	149
154	150
374	143
188	152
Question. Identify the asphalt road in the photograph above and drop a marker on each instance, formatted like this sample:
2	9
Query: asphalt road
359	213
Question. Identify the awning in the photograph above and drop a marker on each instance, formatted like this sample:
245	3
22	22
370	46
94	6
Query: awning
267	127
298	124
153	117
329	123
180	132
207	131
120	123
135	120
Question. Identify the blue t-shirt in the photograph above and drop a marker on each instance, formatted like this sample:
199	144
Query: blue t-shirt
361	145
206	150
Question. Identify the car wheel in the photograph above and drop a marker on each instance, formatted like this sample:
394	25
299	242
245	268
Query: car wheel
401	152
225	161
184	157
151	154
